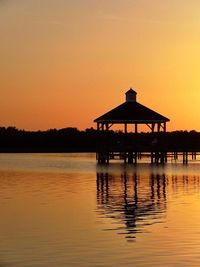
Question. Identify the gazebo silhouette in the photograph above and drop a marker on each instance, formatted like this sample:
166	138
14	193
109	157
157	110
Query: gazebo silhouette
132	112
128	113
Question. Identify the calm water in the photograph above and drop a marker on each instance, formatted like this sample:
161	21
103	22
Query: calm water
64	210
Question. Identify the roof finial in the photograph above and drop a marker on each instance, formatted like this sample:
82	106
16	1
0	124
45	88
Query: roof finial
131	95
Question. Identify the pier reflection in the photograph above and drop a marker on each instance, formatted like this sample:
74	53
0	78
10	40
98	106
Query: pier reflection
131	201
135	202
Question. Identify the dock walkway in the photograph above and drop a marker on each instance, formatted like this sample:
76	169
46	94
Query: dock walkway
154	156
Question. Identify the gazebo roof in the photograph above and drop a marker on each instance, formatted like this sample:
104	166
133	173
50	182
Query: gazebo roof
131	91
131	112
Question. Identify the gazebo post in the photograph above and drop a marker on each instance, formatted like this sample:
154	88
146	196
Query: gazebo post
165	127
136	127
125	128
152	127
158	127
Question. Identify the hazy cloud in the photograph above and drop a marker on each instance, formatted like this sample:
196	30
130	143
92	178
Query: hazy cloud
2	3
119	18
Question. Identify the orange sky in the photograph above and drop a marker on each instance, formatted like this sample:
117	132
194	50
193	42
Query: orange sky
64	63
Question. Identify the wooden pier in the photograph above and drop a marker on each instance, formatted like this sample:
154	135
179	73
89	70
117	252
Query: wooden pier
153	157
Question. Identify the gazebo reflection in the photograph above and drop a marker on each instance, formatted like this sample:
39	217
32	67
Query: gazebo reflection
131	201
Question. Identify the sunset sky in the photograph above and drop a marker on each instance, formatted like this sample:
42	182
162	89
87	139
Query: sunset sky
65	62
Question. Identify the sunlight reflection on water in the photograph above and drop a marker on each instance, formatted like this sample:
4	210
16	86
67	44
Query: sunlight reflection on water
64	210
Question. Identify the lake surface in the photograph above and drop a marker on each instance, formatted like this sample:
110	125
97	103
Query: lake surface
64	210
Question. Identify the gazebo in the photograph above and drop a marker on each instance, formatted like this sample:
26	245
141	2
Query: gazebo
132	112
128	113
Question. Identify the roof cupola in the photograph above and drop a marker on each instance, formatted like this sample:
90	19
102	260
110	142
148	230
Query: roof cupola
131	95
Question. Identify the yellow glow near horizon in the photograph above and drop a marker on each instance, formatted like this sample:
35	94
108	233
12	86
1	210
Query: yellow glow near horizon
64	63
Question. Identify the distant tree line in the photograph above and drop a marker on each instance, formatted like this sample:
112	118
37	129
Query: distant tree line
73	140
